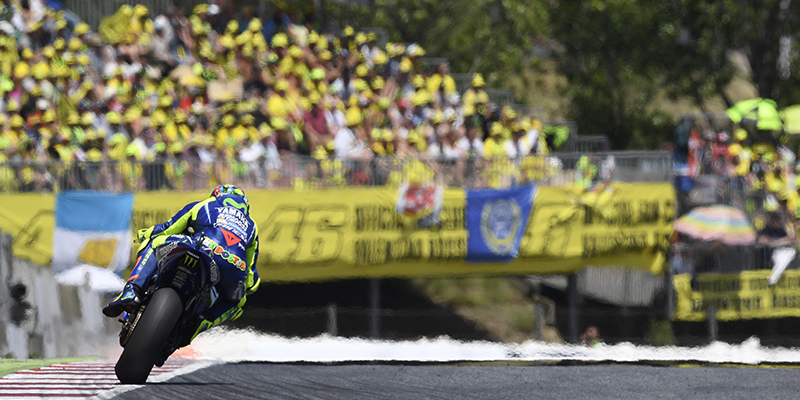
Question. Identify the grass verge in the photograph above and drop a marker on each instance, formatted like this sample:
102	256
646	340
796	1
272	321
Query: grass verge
9	366
490	302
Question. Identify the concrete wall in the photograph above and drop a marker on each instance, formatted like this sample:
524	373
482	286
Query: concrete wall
40	318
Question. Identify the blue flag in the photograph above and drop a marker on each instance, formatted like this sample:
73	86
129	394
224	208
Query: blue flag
496	221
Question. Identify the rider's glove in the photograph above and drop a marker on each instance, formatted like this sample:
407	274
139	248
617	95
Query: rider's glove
143	234
252	288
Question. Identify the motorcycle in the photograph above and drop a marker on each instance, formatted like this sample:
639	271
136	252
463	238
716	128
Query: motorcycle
180	290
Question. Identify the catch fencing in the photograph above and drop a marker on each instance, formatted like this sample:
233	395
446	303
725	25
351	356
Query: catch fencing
300	172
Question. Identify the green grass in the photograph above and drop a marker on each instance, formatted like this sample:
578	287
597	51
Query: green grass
660	333
490	302
8	366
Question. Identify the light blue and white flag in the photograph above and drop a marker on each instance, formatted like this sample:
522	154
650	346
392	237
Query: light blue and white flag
92	228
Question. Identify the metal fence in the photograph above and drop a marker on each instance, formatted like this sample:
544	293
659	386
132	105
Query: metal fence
308	173
93	11
714	257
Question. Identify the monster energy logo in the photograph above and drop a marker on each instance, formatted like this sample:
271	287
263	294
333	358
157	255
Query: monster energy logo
190	261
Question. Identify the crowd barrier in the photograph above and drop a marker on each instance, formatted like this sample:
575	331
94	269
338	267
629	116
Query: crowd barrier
323	234
298	172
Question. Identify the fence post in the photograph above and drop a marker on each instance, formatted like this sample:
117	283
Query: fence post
713	329
333	326
539	310
626	310
374	303
572	300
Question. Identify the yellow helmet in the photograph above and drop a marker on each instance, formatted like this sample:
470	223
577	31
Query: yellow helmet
477	80
12	105
82	28
280	40
279	124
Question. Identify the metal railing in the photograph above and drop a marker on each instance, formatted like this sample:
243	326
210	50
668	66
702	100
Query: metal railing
92	12
711	257
300	172
585	144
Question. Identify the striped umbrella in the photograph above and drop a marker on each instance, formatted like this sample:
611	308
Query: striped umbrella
761	112
725	224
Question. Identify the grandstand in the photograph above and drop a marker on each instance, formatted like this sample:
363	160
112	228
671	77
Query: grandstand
170	101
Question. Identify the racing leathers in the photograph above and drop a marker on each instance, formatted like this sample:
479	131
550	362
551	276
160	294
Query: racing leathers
227	234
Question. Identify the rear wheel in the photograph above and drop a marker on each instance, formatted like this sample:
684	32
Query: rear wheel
149	336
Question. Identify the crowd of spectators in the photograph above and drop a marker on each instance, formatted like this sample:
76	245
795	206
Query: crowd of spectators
759	171
218	91
755	171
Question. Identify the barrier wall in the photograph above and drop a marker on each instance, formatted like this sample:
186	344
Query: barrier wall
43	319
735	296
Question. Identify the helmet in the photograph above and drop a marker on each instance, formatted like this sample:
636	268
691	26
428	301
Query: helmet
231	190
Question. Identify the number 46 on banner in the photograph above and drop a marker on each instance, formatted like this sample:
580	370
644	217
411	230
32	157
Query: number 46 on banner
296	234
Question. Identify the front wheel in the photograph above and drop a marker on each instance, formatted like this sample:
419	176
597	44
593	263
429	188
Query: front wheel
149	336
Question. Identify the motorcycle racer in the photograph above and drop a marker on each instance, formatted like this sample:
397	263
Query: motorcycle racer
222	224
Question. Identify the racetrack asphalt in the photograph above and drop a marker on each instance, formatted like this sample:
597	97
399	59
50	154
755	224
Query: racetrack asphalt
460	381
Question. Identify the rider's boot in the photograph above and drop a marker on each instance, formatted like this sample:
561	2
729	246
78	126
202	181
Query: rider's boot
128	300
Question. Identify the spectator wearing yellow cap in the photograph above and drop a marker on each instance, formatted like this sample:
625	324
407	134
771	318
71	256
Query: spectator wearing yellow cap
475	94
367	48
441	81
384	144
518	146
284	139
394	56
494	145
345	45
741	155
10	138
280	103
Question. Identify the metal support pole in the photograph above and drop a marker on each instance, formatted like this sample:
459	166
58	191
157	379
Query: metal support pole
539	310
573	300
713	328
670	287
333	326
626	314
374	304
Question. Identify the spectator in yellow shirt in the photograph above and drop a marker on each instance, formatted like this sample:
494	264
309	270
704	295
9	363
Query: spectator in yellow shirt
441	79
742	155
494	146
475	94
280	104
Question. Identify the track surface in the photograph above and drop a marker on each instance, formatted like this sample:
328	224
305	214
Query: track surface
298	381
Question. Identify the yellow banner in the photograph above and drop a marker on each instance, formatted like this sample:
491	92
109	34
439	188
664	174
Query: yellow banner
743	295
336	234
29	219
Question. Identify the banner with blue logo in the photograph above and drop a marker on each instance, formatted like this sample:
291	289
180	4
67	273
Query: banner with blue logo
496	221
92	228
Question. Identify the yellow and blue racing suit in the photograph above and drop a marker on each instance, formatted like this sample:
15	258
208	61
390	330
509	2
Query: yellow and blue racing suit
228	234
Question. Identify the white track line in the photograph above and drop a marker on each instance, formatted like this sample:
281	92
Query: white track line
82	379
153	379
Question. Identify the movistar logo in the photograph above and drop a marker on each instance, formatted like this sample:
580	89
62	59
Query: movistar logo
233	203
